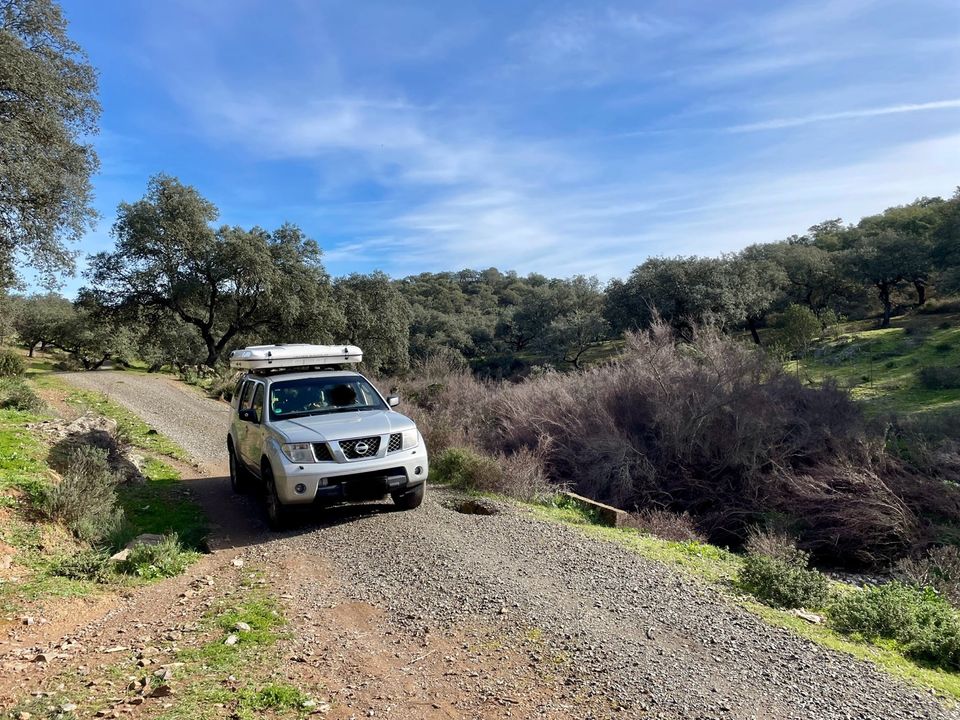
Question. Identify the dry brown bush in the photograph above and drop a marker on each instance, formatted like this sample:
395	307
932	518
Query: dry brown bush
713	428
679	527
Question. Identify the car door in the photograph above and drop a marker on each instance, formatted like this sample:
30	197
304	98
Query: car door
240	428
252	447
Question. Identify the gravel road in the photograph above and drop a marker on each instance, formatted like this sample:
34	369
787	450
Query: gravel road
646	640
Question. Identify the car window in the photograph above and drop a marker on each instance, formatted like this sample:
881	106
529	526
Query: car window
258	402
320	395
246	394
237	392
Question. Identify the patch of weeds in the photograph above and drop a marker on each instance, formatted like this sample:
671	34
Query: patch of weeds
15	394
565	508
93	565
275	696
165	559
919	620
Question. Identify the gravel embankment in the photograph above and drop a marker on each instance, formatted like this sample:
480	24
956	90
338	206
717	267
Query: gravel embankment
655	643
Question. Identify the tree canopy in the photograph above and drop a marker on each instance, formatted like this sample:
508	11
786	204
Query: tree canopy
48	109
226	282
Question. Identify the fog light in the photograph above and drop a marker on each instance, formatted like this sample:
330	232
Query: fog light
418	470
300	488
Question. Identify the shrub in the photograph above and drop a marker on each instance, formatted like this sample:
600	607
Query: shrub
666	525
11	364
222	388
716	429
165	559
939	569
939	377
85	499
783	579
943	347
922	622
85	565
17	395
467	469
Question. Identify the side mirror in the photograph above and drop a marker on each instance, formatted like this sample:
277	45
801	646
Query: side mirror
249	415
393	400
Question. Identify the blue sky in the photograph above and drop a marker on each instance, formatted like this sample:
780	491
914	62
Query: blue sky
535	136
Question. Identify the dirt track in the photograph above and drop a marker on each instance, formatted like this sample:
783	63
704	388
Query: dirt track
434	613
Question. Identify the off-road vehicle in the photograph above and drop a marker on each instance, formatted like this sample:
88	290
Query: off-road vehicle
308	430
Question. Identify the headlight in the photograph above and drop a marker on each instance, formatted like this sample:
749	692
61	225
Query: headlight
411	438
299	452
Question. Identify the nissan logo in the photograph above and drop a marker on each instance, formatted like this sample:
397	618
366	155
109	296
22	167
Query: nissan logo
361	448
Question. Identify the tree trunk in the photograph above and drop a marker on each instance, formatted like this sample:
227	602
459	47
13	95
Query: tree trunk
752	324
921	287
884	292
32	346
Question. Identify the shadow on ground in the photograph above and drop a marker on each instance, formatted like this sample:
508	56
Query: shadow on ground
238	521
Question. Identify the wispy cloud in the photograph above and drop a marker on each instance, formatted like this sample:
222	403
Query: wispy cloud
790	122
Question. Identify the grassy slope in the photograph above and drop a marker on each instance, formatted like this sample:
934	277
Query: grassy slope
881	366
160	505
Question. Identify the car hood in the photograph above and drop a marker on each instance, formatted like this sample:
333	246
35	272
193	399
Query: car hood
342	426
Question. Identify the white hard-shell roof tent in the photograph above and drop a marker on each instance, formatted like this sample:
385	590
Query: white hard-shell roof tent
294	355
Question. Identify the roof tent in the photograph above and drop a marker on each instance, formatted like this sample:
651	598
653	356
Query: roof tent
280	357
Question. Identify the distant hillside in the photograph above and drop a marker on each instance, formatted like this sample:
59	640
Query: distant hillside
911	367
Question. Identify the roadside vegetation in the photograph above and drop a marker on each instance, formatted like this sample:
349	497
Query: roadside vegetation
71	498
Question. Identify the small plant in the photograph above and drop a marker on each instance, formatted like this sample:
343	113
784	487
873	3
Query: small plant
11	364
273	697
85	499
781	578
165	559
91	565
943	347
939	377
17	395
921	621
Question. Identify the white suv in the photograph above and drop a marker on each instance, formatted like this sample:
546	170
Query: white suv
322	436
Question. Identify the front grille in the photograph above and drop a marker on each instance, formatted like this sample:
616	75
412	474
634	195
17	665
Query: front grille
396	442
349	447
322	451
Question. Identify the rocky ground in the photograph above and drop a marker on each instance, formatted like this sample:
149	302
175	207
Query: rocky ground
437	613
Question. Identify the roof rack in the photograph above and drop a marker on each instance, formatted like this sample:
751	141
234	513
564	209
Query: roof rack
295	357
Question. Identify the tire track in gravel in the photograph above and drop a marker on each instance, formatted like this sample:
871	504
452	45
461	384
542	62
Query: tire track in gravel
636	639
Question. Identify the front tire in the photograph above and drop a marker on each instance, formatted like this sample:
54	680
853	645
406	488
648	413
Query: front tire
411	499
239	475
277	512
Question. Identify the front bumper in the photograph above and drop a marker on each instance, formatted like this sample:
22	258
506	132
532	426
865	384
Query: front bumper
329	482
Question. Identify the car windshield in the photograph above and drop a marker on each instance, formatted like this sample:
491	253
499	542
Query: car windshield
322	395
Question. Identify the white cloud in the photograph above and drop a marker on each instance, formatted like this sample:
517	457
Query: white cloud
790	122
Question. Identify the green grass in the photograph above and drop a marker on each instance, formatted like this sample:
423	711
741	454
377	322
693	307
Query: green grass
881	366
204	681
162	505
22	465
720	567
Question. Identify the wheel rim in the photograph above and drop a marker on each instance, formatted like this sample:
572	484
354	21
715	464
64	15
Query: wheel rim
273	509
